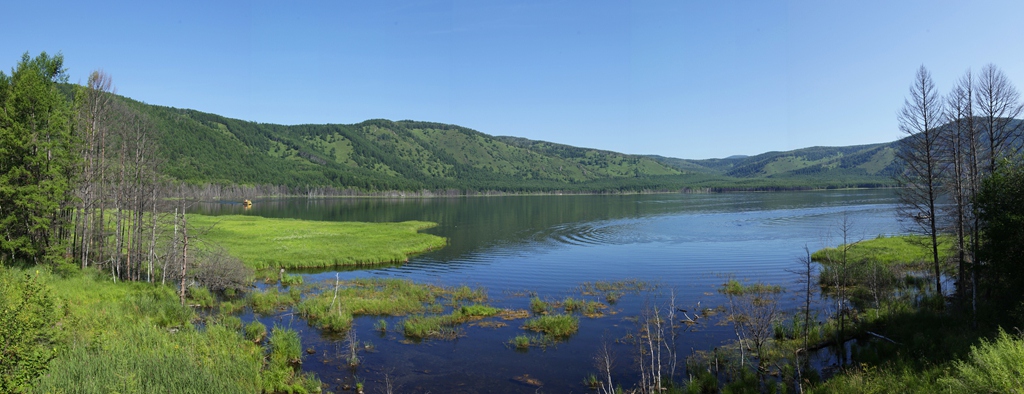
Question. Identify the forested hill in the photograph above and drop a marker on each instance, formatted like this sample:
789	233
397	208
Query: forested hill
856	161
380	155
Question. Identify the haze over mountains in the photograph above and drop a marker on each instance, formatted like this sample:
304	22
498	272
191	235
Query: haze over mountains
377	155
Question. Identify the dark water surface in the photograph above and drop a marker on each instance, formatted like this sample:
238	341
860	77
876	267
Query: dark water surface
686	243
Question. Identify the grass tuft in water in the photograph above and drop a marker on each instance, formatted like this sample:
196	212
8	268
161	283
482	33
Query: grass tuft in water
478	310
556	326
255	331
539	307
524	342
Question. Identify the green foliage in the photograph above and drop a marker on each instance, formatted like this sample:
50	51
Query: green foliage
1001	210
29	332
38	154
264	242
556	326
993	367
380	155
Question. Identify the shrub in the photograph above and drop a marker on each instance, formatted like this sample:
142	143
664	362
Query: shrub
993	367
219	271
28	329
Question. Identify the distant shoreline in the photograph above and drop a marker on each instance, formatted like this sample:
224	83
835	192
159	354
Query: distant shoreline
432	195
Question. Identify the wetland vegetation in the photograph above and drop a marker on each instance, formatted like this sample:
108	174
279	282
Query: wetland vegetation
103	290
291	243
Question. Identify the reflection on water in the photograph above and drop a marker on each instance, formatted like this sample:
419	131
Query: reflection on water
550	245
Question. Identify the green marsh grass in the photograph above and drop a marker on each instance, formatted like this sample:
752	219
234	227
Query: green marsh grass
539	307
556	326
905	249
432	326
291	279
478	310
271	300
200	296
255	331
283	373
337	303
230	307
524	342
292	243
233	323
136	337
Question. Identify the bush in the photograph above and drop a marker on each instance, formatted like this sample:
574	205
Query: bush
28	329
993	367
219	271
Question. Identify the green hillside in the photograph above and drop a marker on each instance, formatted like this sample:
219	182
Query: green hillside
378	155
858	160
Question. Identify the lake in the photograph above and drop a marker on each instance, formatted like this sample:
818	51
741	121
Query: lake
515	246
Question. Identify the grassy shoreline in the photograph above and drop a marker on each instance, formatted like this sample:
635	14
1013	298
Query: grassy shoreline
292	243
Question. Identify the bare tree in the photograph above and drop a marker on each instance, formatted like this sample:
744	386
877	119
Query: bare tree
919	153
93	120
753	311
998	103
958	141
605	362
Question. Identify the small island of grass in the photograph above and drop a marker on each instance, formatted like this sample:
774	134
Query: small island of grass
291	243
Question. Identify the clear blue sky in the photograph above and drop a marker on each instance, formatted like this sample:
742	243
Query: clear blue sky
690	79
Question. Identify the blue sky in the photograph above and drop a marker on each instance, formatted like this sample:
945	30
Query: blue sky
690	79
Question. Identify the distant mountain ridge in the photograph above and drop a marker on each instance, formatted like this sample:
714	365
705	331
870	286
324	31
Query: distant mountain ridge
379	154
861	160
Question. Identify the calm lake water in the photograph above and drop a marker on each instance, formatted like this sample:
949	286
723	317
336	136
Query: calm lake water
550	245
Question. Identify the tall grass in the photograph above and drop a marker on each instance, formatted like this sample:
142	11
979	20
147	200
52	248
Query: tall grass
291	243
135	337
149	360
132	337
